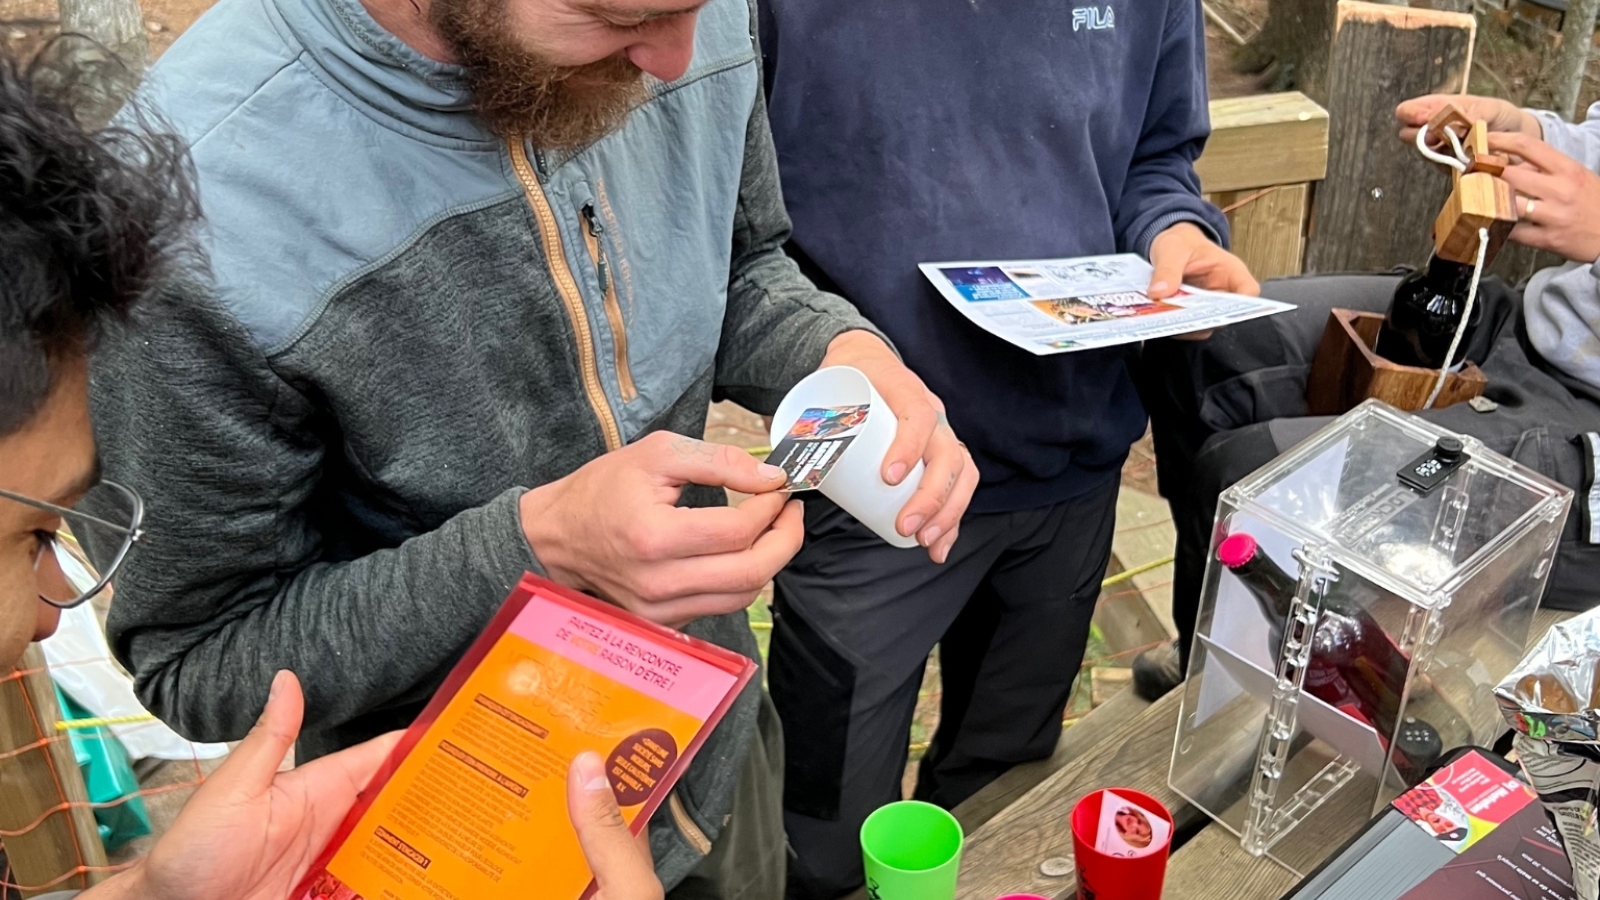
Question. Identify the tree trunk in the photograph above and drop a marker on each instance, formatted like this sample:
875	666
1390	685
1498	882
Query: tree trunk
113	59
1297	38
1572	59
1376	208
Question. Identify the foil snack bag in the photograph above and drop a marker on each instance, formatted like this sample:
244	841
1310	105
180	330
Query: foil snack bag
1552	699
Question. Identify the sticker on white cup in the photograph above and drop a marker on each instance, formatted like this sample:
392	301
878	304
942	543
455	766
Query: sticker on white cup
816	443
842	403
1128	829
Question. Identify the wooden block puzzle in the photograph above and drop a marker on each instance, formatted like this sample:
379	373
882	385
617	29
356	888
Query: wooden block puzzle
1480	200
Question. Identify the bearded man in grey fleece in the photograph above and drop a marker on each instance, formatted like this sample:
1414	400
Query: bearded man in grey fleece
479	267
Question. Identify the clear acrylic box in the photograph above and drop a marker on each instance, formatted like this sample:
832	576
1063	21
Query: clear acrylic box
1353	623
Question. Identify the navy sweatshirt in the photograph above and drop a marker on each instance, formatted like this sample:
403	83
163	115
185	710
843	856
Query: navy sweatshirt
929	130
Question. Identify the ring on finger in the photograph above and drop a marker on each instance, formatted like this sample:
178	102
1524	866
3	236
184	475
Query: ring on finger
1528	211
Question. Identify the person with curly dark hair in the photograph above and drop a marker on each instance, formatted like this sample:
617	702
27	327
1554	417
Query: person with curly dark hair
90	222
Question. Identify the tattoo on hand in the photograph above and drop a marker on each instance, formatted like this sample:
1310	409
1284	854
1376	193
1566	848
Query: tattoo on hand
689	448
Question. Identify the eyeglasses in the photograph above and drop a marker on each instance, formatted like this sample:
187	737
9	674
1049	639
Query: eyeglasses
104	525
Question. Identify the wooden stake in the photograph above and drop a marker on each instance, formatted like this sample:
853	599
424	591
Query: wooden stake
41	778
1375	208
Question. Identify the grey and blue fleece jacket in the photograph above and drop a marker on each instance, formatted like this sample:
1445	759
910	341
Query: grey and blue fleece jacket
408	322
937	130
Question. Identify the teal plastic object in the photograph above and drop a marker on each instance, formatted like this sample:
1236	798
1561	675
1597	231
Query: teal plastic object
113	789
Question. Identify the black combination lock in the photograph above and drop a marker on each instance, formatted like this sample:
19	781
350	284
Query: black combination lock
1429	470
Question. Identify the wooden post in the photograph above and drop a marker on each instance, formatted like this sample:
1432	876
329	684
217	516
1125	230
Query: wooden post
1376	207
1264	153
35	783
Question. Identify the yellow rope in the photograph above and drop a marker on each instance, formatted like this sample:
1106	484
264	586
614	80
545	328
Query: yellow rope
84	724
1120	577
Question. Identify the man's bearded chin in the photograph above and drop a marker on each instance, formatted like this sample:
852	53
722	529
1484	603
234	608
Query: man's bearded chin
517	92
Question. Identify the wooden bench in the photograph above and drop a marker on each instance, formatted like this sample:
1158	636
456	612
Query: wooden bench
1004	855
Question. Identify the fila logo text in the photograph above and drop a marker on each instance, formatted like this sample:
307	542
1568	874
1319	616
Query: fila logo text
1093	18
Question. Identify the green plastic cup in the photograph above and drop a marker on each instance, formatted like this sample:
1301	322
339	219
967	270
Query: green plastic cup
912	851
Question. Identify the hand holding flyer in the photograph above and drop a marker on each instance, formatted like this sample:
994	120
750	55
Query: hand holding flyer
473	802
1048	306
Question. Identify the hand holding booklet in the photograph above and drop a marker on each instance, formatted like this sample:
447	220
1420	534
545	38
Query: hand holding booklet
472	803
1048	306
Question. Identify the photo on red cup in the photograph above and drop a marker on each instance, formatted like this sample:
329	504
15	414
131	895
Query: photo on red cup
1120	842
1128	829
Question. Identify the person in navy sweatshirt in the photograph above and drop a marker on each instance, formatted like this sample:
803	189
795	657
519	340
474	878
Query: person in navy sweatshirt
971	129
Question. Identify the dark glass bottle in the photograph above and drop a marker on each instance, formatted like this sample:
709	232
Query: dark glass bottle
1274	590
1424	313
1354	666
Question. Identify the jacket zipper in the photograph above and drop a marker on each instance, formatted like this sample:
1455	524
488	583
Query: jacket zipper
567	287
594	236
686	825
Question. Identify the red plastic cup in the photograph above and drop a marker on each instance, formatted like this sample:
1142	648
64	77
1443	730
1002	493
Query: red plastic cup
1103	877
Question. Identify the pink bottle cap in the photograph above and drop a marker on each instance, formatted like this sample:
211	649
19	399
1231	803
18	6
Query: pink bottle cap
1236	550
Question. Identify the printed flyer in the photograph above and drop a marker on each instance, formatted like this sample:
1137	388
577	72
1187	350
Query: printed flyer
1048	306
815	444
1506	845
1464	801
472	804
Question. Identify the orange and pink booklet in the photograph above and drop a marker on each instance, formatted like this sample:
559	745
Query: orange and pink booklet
472	803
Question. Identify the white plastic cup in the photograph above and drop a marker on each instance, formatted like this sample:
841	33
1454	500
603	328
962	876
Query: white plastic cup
856	480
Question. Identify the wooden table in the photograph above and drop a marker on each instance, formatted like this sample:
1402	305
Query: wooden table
1003	855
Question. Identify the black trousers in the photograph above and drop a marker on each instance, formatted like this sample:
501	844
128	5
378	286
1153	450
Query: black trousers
855	622
1222	408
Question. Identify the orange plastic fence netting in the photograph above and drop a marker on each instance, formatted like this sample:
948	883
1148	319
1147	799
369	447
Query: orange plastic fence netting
16	824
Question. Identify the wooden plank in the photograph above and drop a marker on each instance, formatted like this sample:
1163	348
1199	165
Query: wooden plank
39	779
1076	740
1376	206
1264	140
1212	866
1269	228
1003	856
